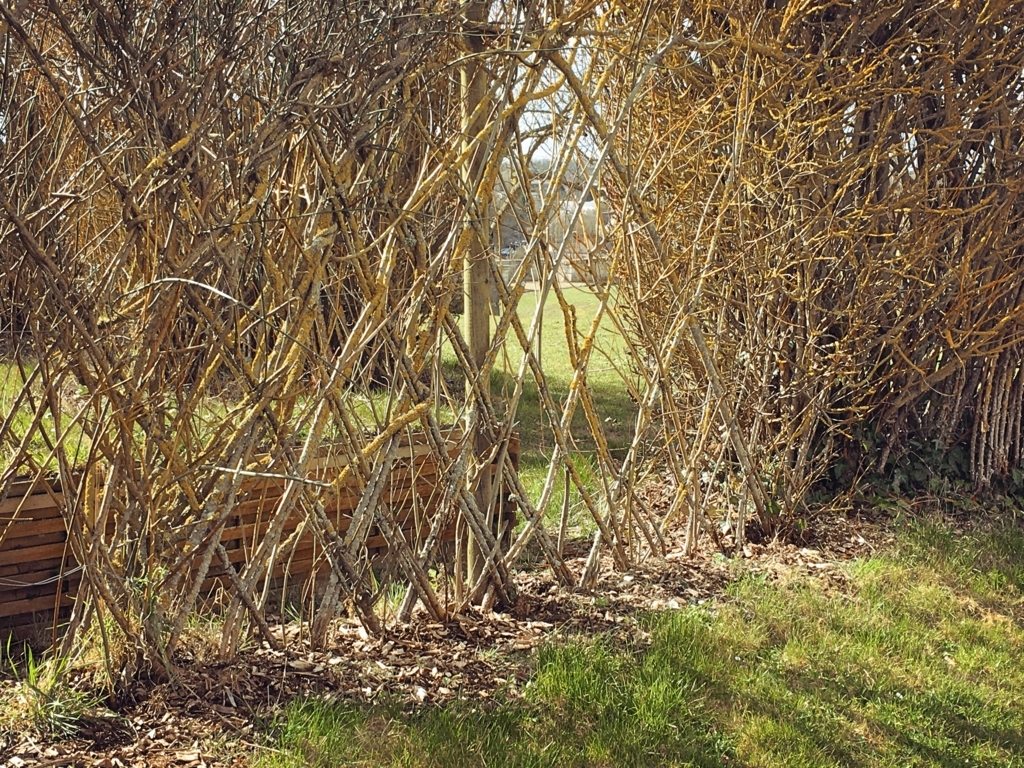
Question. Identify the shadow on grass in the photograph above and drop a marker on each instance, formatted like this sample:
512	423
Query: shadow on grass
587	704
904	668
913	660
616	410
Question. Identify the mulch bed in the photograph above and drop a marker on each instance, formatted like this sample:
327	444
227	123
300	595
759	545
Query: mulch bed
214	712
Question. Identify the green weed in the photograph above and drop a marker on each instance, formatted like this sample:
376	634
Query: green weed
46	696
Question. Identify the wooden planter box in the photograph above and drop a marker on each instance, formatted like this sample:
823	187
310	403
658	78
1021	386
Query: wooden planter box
39	576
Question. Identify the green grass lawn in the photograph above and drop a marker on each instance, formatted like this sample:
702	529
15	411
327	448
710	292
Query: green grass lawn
604	374
918	660
608	366
606	384
42	440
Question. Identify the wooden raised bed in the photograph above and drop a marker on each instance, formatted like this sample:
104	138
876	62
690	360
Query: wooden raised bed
39	575
37	572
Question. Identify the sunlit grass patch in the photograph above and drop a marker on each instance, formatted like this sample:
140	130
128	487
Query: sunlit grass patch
900	670
605	372
605	379
915	662
587	705
25	410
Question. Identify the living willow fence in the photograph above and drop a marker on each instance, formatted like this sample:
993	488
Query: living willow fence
44	540
832	196
233	233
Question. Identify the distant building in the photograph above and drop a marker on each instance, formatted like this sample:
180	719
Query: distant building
586	257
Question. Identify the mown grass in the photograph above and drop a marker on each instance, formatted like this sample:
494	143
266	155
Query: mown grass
916	661
605	372
369	407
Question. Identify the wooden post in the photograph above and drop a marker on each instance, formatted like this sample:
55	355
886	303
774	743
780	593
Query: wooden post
476	271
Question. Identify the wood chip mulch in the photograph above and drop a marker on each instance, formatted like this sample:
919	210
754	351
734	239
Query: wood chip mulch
214	713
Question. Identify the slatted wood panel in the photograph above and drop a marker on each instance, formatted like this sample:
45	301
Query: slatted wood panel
38	573
413	494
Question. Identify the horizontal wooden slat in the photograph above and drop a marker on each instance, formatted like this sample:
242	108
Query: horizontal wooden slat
338	461
306	558
298	570
40	501
37	574
17	570
255	505
15	545
307	544
30	554
33	605
33	548
21	528
14	594
247	532
271	486
24	486
346	499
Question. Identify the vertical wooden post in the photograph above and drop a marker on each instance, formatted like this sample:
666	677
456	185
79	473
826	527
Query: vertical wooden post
476	273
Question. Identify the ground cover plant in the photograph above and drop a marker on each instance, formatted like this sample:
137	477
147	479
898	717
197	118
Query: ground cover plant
910	658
